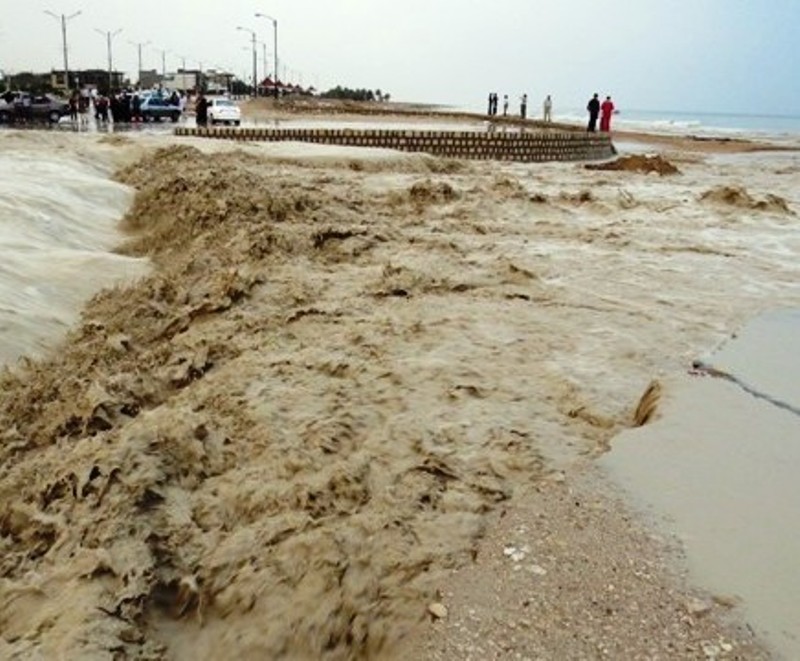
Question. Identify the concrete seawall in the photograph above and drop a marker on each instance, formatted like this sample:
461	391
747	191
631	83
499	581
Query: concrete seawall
525	147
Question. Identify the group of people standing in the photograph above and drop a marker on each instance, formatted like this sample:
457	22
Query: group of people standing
602	110
523	106
119	108
598	110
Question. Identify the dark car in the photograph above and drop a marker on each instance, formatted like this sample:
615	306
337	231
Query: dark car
34	107
155	108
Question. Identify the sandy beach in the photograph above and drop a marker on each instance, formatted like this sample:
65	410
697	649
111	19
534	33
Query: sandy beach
353	404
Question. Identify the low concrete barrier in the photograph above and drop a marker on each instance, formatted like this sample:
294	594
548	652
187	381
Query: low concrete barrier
522	146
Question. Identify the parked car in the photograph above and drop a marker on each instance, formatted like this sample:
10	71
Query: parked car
29	107
223	111
155	108
7	104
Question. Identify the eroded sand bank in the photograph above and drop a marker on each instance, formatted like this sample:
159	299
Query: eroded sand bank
282	441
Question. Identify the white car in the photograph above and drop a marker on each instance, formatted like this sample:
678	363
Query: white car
223	111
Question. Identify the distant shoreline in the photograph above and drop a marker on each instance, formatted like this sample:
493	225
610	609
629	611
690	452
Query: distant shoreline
292	108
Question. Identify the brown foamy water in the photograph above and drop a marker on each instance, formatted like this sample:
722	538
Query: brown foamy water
281	440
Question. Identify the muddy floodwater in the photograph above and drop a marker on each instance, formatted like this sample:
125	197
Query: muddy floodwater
336	368
58	225
720	469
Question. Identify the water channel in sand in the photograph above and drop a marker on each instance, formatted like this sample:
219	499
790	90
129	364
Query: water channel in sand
721	467
58	216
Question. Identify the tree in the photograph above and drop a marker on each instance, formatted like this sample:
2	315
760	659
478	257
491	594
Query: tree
239	88
341	93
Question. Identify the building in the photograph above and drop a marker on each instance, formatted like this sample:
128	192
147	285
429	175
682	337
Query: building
150	79
89	78
184	80
218	82
267	88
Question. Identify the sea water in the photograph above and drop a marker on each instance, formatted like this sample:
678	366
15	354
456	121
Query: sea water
681	122
731	123
58	226
696	123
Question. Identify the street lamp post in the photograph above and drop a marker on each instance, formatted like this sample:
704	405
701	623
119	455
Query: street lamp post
139	49
64	20
163	62
255	59
264	57
108	34
275	48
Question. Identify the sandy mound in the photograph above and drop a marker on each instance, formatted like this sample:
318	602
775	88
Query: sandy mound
738	197
637	163
428	192
215	461
581	197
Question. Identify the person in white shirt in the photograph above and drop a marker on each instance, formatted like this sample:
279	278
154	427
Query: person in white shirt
548	109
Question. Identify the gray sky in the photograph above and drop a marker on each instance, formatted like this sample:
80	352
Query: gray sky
701	55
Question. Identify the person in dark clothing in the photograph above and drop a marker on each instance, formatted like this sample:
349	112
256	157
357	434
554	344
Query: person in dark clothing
594	111
136	108
73	107
125	108
101	109
493	104
201	110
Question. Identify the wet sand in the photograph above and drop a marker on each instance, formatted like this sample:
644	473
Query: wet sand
345	366
719	468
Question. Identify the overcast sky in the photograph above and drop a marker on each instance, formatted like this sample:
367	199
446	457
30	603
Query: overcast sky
696	55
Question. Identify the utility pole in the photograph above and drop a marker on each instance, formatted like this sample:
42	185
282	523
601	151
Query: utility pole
275	48
264	58
109	35
139	49
63	18
163	62
255	59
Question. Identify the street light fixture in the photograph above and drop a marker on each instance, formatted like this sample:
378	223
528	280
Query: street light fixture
255	59
64	19
275	48
139	46
108	34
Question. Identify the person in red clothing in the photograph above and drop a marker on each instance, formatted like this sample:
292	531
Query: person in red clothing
606	110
